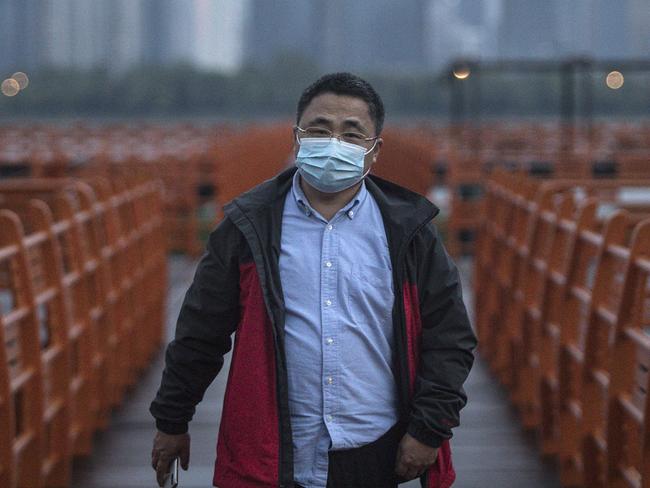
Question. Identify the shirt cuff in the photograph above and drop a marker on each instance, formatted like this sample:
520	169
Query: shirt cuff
425	436
171	428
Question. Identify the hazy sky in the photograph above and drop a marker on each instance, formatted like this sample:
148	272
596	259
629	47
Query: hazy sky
367	35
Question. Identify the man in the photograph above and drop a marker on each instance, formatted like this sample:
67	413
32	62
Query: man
352	341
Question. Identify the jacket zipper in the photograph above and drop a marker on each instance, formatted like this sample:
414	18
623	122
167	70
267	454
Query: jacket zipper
401	256
267	298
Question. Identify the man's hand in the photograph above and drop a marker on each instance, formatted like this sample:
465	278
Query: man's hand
413	457
166	447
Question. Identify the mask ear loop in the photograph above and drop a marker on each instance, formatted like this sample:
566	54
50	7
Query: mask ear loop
365	154
372	148
365	174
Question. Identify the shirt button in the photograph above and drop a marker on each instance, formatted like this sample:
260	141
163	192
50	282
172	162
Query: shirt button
329	418
328	264
330	227
328	302
330	380
351	213
330	341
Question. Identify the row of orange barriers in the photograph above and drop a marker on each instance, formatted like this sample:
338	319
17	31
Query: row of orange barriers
562	291
183	156
615	150
257	153
204	166
82	299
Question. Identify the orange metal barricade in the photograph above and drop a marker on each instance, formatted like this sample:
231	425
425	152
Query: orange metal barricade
112	251
7	418
23	355
543	244
628	450
45	268
135	280
549	287
108	243
591	299
76	279
497	230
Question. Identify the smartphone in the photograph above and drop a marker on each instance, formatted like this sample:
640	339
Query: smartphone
171	479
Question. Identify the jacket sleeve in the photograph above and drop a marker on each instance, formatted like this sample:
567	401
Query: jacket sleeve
447	343
208	316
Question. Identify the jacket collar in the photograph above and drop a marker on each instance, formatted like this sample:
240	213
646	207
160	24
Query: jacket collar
403	210
258	213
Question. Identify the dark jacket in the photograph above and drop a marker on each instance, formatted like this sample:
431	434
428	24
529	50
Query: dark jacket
237	288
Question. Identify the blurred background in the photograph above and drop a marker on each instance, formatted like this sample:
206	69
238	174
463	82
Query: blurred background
126	125
229	58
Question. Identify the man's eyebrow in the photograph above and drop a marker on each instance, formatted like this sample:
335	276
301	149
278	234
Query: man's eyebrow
320	120
354	123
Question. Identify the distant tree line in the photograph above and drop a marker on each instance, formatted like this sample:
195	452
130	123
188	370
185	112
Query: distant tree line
273	90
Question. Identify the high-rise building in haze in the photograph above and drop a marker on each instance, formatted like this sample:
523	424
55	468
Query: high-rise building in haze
205	33
528	28
218	35
462	29
366	35
638	34
601	29
575	27
119	34
21	34
612	21
282	27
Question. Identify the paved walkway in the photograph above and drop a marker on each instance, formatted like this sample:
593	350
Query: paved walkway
490	450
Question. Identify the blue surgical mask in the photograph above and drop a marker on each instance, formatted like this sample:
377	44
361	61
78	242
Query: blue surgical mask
330	165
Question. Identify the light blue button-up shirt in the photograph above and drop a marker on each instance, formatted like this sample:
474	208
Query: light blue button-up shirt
338	293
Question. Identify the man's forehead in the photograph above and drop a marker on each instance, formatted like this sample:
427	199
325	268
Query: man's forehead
333	106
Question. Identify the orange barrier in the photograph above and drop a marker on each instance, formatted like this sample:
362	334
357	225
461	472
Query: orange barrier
591	303
628	459
189	159
22	346
7	419
545	271
183	156
504	250
407	158
88	268
546	323
77	284
255	154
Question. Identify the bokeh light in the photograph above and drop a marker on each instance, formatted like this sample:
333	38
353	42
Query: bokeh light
615	80
10	87
22	79
462	72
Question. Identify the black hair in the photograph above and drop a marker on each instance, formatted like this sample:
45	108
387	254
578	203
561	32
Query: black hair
345	84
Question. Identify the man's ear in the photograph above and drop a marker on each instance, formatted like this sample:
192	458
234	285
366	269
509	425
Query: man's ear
375	154
296	146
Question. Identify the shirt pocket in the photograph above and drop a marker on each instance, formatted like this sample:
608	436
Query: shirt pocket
370	293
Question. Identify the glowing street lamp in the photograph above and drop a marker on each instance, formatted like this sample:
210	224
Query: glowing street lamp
462	72
10	87
614	80
21	78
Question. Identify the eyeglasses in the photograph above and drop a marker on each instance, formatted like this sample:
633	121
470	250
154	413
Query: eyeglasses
349	136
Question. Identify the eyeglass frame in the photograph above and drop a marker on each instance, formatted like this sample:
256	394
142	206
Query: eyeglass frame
297	129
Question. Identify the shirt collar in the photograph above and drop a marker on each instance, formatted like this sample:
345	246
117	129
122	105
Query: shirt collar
351	209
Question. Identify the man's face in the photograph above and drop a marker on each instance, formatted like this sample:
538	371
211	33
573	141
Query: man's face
339	114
